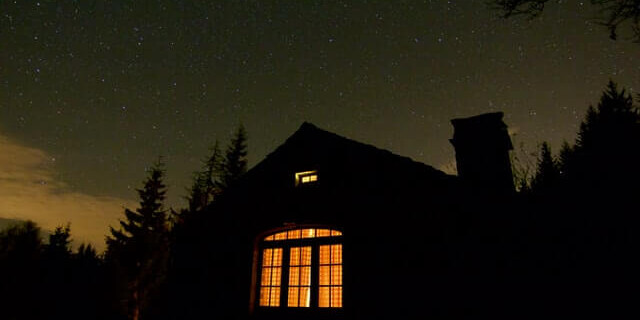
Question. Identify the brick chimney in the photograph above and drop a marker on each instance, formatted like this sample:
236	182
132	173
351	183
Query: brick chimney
482	146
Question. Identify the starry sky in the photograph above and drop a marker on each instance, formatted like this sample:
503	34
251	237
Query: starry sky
92	92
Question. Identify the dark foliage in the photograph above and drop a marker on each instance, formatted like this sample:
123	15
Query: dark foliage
206	183
198	249
547	173
235	161
138	253
49	280
615	13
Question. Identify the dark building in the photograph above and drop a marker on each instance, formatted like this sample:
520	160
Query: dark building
329	228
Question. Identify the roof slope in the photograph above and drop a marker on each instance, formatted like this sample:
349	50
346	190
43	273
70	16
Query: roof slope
310	144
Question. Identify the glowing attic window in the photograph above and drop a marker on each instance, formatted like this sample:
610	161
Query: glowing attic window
301	268
306	177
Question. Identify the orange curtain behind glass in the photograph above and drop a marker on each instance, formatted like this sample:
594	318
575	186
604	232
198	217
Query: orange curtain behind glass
299	277
330	280
270	279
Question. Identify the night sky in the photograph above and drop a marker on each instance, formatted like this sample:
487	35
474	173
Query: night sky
92	92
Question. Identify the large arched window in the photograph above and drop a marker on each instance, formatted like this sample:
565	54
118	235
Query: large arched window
301	268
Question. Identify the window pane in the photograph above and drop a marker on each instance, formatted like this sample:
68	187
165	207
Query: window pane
293	297
277	257
336	275
305	276
305	296
323	297
305	256
299	268
336	297
308	233
275	297
266	257
294	256
294	234
336	254
264	297
294	276
325	257
275	276
266	277
324	275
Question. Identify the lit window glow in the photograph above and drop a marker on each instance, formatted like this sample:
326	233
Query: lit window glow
303	233
290	271
300	277
330	282
306	177
271	277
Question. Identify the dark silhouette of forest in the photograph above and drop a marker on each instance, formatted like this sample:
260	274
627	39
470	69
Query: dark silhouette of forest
567	239
142	265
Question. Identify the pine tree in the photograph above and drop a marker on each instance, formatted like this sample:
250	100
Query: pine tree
206	184
140	248
235	161
59	243
547	173
606	140
565	159
613	120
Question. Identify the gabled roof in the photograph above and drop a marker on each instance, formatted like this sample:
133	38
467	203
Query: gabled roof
324	144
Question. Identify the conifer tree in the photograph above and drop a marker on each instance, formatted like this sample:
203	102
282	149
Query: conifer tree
206	184
235	161
59	243
547	173
139	249
606	140
564	159
613	120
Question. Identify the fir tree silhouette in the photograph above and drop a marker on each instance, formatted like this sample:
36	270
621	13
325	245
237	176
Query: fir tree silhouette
235	161
139	250
547	174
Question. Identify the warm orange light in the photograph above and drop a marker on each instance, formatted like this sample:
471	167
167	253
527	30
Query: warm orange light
330	276
299	277
271	277
303	233
308	233
306	177
299	268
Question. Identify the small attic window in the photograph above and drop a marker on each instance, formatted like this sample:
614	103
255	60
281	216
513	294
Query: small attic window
306	177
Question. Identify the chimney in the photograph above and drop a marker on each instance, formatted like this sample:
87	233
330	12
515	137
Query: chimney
482	147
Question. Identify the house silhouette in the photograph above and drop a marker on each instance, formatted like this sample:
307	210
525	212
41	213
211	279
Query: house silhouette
330	228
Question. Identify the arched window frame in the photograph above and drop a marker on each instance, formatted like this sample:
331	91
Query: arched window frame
329	282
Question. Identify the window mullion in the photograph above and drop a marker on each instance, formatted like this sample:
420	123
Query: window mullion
315	274
284	278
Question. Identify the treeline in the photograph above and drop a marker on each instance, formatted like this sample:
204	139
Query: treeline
41	280
141	275
604	157
578	217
